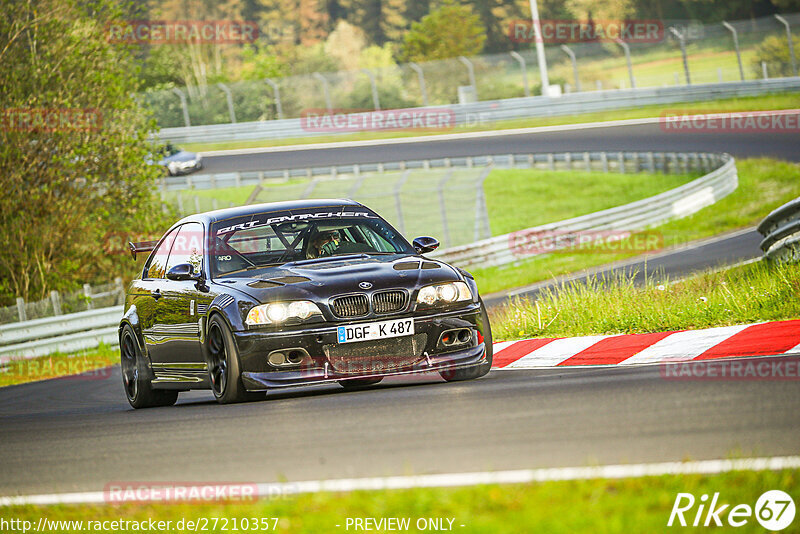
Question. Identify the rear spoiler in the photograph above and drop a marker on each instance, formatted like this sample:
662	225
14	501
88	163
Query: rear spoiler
142	246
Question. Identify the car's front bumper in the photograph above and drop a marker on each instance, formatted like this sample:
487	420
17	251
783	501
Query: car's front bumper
327	360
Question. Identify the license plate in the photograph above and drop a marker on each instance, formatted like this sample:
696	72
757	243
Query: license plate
372	331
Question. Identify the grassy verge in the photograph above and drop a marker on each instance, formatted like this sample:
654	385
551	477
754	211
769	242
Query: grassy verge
624	505
755	103
764	184
759	291
85	365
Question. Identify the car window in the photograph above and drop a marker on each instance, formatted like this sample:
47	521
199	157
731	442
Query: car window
187	247
156	265
263	240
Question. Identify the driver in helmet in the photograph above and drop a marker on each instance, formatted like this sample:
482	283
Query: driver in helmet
324	244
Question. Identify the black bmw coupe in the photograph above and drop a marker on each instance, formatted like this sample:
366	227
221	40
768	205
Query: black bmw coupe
247	299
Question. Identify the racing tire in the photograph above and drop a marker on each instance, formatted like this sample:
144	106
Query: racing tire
476	371
223	365
355	383
136	377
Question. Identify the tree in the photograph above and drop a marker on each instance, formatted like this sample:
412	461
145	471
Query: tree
449	31
346	43
774	51
381	20
73	147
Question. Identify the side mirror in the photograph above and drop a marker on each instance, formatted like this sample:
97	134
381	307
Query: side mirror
183	271
425	244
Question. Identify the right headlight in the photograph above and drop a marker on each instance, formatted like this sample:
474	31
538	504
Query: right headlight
444	294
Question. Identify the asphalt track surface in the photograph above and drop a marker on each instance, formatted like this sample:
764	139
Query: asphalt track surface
80	435
643	137
70	435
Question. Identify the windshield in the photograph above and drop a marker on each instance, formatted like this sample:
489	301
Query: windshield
265	240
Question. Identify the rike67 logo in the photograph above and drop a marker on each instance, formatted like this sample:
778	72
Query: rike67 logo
774	510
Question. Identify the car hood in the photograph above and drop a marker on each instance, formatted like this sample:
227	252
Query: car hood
320	280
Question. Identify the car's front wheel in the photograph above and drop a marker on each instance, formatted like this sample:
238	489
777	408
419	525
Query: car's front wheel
136	376
223	365
476	371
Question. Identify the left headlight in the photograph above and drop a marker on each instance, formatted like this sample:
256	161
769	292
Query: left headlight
280	312
444	294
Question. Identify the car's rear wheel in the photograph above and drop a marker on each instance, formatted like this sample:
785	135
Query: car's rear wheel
136	376
223	365
355	383
477	371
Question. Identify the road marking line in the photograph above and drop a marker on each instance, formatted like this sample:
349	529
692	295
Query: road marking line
519	476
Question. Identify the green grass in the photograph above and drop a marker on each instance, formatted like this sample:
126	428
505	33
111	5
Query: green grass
760	291
596	506
764	184
755	103
86	364
522	198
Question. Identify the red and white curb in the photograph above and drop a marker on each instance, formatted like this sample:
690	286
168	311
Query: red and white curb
762	339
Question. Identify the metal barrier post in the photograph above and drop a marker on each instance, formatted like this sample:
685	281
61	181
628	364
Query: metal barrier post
229	98
516	55
682	40
736	47
184	106
789	39
397	204
421	77
574	61
277	93
87	294
22	313
442	208
55	298
375	100
481	210
326	90
471	70
627	50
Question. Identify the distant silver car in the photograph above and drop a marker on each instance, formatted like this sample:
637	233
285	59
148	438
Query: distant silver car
178	161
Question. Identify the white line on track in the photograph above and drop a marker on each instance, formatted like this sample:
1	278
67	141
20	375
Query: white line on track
520	476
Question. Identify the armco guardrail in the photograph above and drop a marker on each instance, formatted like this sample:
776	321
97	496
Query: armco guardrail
678	202
63	333
781	231
497	110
